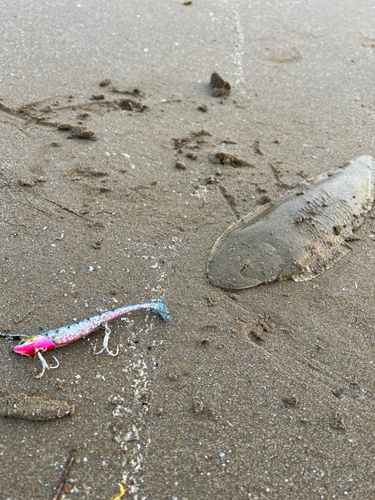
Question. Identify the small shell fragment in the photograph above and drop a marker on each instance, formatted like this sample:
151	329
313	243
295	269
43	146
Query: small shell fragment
33	407
300	235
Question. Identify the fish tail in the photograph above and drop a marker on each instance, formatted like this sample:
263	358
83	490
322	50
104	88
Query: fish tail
162	310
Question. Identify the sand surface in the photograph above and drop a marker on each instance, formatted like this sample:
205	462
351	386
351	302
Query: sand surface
263	393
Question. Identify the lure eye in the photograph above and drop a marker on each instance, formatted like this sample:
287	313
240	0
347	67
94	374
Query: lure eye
22	342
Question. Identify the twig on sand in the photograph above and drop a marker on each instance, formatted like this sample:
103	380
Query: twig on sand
69	463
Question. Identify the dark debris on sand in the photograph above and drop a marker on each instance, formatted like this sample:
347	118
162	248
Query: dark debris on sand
221	88
227	159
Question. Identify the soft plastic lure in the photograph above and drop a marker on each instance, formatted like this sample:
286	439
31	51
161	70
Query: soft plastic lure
38	344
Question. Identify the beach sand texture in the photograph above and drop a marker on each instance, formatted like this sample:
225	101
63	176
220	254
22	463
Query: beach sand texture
115	194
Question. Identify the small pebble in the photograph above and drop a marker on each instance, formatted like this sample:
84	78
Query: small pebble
105	82
203	107
181	165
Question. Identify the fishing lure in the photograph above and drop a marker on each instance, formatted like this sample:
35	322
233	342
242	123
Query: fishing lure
38	344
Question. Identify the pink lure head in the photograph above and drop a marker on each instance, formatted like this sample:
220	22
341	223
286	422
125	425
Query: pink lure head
28	346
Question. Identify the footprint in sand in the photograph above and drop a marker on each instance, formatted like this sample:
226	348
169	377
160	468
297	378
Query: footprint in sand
276	51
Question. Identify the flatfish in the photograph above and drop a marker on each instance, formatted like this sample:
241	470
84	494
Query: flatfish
300	235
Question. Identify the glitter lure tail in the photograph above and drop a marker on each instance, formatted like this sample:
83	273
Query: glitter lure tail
59	337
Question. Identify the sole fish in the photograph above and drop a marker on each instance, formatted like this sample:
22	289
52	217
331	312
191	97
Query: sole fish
299	236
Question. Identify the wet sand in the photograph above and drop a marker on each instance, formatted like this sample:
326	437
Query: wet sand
261	393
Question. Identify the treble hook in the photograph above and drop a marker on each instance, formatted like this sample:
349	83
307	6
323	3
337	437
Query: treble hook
105	342
44	362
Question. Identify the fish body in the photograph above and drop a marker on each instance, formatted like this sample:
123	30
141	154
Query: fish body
69	333
299	236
